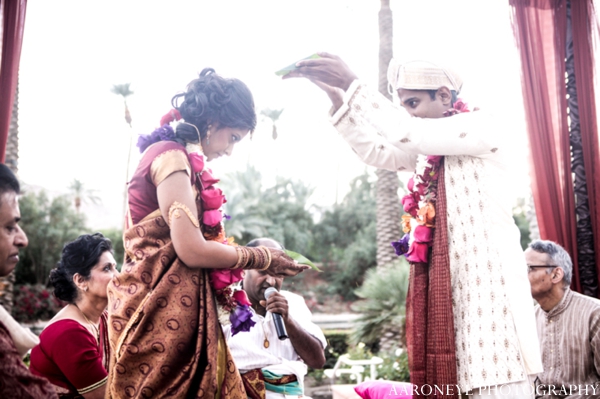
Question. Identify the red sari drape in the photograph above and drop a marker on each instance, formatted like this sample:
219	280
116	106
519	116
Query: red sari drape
540	28
13	22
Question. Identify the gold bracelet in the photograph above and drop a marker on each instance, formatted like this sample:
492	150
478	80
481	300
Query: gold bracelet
250	258
243	255
174	213
268	260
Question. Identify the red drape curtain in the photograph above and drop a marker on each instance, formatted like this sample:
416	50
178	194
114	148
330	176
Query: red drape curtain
584	28
540	28
12	13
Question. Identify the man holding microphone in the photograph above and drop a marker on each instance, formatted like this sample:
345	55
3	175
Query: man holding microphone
272	365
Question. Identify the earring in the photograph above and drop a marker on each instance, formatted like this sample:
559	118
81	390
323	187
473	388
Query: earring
208	135
85	289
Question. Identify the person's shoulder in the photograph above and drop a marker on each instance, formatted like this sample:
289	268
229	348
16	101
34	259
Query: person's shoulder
588	301
293	297
63	330
161	147
290	294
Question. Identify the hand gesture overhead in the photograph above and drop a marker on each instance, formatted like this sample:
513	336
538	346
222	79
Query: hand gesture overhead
328	69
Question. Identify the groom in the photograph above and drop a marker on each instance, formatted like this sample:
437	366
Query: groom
470	322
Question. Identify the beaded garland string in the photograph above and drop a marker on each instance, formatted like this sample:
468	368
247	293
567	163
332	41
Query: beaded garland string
419	221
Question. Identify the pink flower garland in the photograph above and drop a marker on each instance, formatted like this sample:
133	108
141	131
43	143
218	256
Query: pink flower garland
419	205
233	301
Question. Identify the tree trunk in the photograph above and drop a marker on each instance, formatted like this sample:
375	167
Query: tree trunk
12	161
388	202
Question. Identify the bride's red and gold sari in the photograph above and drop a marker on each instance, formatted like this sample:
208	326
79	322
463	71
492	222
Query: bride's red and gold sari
163	322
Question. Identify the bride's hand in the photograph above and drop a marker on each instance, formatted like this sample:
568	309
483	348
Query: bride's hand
282	265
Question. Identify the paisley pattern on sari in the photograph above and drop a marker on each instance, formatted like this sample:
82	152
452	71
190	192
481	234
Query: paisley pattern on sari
163	326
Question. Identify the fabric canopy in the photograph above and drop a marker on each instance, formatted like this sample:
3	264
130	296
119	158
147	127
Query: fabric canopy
13	22
555	39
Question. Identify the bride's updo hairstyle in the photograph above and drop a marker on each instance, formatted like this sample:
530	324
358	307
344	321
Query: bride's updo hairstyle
78	256
213	100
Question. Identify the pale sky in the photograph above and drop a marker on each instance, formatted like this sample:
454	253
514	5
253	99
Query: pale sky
72	126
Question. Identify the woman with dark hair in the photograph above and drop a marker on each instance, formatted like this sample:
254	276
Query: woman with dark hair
166	307
73	352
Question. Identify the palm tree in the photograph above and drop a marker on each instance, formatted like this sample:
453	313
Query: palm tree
81	195
273	115
124	91
388	202
12	161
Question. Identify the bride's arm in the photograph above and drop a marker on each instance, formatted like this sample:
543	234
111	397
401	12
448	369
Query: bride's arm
188	241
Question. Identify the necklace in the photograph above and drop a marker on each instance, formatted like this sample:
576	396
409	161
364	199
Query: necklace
266	342
91	324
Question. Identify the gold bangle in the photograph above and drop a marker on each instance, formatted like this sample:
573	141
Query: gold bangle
258	258
243	254
268	260
174	213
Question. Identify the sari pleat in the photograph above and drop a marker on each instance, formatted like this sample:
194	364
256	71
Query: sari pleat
163	326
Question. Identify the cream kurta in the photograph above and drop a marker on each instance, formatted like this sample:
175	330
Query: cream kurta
496	338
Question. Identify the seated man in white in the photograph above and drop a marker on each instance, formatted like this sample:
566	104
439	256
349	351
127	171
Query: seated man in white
270	367
568	325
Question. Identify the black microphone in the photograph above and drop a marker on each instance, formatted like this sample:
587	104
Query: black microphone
279	326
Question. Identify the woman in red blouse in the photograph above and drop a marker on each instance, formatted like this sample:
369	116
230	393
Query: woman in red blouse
73	350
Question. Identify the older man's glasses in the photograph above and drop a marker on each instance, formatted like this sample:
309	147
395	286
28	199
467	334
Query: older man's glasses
530	268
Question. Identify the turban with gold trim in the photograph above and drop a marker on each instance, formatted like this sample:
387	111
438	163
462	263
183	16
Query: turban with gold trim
421	75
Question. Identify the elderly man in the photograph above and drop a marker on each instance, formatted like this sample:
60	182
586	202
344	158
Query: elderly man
259	354
568	325
470	322
15	379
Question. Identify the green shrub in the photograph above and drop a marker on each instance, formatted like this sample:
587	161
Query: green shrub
394	366
382	304
34	302
337	345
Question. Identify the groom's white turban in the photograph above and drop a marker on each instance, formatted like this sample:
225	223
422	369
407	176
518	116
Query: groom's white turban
421	75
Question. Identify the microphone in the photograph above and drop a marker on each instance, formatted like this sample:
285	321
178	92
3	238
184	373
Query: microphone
279	326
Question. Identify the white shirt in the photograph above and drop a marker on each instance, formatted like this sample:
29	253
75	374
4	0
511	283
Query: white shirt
248	348
494	322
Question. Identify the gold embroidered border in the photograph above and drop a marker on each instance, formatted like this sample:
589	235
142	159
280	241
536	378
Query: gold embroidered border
167	163
93	386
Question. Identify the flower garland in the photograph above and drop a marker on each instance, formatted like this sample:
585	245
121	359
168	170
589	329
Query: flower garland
419	204
232	302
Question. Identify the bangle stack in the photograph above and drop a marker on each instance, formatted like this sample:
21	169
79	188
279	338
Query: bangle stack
255	258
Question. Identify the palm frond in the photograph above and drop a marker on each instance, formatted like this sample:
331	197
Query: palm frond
272	114
122	90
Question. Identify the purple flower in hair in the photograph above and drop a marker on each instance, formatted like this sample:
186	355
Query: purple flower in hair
401	247
241	319
144	141
163	133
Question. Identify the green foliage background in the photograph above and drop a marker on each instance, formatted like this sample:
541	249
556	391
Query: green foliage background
49	224
343	239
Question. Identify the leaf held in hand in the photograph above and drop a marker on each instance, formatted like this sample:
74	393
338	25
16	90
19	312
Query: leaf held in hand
301	259
290	68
